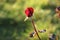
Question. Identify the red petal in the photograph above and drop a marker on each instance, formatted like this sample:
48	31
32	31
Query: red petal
29	11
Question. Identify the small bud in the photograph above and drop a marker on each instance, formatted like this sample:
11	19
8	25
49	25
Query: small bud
42	31
58	10
52	37
32	34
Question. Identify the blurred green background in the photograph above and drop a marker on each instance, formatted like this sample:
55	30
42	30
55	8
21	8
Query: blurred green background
13	27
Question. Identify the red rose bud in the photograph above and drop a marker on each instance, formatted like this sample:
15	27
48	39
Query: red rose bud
29	12
57	9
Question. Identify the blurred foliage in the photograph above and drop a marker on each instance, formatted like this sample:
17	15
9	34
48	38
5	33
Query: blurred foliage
13	27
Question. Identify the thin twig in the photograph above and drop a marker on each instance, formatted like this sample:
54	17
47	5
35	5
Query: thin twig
35	29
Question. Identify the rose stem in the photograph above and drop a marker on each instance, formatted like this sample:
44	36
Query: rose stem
35	29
